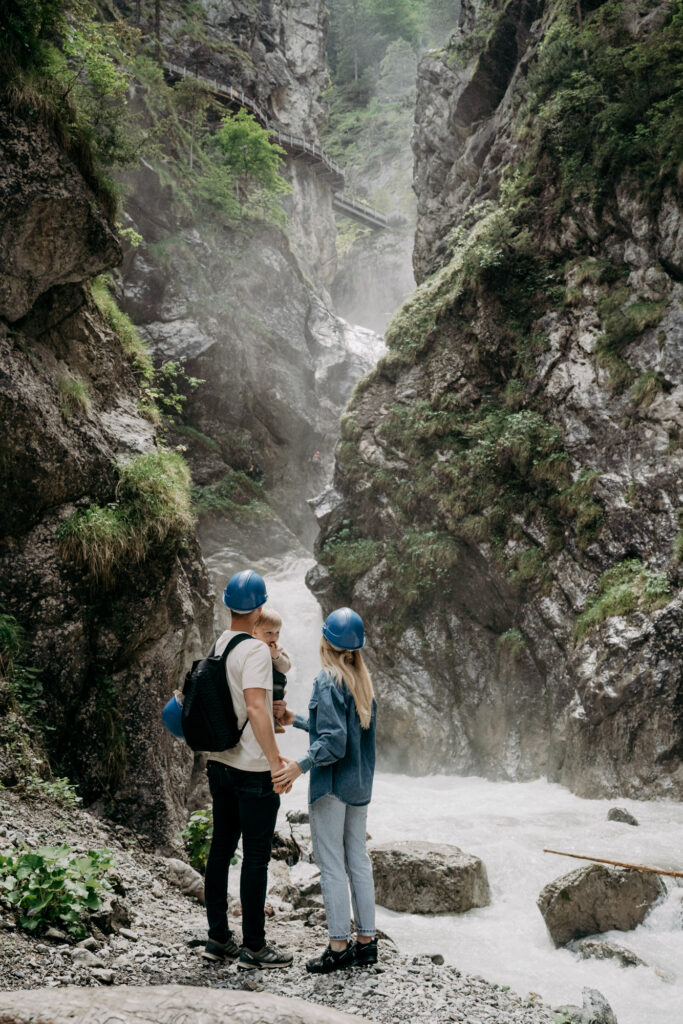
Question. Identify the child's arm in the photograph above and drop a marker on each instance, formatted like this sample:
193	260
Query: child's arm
281	661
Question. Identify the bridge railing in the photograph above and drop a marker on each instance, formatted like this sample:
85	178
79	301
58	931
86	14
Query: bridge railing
291	142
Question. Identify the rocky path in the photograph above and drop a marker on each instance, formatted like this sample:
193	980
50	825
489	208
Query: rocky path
162	941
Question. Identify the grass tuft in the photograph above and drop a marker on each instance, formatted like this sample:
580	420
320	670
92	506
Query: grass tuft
153	505
625	588
122	325
74	395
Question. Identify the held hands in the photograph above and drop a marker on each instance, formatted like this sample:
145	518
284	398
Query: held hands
287	775
275	769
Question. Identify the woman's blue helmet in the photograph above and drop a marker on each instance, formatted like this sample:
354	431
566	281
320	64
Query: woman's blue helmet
343	628
245	592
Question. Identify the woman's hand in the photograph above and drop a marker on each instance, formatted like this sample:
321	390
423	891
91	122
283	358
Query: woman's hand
282	713
287	775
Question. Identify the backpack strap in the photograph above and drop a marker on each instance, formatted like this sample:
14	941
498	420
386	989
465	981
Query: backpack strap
224	657
232	645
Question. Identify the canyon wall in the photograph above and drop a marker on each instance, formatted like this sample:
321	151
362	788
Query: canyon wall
505	511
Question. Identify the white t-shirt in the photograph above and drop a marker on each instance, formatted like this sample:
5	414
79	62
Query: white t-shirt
249	665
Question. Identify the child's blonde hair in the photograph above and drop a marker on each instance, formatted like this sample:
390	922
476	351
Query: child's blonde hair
349	667
269	617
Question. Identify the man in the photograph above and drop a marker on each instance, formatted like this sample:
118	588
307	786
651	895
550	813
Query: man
245	802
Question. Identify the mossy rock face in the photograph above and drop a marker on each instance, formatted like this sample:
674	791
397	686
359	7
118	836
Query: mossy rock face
487	469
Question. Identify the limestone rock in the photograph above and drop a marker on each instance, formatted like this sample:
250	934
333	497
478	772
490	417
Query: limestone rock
601	949
595	1009
51	229
185	878
621	814
112	915
428	878
133	1005
597	899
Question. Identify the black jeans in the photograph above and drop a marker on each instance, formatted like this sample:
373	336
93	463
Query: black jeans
243	804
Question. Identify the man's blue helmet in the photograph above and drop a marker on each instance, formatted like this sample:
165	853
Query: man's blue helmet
245	592
343	628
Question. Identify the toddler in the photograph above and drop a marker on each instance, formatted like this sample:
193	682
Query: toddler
267	629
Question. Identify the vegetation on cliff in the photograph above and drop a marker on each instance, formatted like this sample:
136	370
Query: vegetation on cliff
478	455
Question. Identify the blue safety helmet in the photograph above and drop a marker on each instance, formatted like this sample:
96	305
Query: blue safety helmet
245	592
343	628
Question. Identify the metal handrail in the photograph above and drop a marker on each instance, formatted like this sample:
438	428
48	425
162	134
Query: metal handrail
292	142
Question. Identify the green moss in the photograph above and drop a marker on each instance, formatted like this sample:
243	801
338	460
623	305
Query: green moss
512	643
233	496
74	395
349	557
196	435
625	588
622	323
121	324
11	643
152	506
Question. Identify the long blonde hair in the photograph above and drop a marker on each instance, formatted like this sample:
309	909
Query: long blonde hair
349	667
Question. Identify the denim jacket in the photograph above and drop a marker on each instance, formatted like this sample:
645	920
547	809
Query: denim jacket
341	755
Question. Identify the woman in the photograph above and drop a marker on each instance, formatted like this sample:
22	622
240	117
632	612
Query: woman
341	760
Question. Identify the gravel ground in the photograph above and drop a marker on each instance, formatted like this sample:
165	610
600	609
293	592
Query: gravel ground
167	932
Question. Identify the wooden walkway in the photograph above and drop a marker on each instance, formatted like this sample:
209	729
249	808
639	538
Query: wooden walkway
296	146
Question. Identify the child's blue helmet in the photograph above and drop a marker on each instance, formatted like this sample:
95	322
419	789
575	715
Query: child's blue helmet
245	592
343	628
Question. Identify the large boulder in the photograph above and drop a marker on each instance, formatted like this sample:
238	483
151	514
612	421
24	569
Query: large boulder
132	1005
597	899
428	878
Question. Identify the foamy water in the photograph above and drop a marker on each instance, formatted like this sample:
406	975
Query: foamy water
507	825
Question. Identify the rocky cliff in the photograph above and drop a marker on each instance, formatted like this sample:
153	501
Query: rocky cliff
246	307
506	490
109	646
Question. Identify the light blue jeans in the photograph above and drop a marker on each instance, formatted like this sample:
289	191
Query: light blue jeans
338	832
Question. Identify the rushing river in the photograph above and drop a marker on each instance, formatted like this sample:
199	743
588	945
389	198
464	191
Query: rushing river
507	825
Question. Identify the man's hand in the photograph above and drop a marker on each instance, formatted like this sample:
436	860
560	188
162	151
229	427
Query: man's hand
287	775
282	713
275	769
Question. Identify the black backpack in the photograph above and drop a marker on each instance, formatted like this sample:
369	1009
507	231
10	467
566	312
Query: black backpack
209	720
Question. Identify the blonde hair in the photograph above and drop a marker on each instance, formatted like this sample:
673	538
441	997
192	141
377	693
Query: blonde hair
349	667
269	617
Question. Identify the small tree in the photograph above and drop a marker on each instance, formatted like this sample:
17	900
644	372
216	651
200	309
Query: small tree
192	101
244	178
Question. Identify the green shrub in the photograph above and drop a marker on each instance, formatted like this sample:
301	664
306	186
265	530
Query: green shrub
234	495
197	838
349	558
58	790
74	395
627	587
196	435
512	643
153	506
52	886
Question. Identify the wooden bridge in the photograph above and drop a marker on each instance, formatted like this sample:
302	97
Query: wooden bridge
299	148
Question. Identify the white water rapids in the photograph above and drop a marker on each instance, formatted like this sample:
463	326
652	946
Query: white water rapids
507	825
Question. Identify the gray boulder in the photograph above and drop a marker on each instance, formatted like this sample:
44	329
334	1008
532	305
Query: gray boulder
428	878
621	814
601	949
132	1005
185	878
595	1009
597	899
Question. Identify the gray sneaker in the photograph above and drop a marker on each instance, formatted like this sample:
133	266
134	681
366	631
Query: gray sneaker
217	951
266	957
